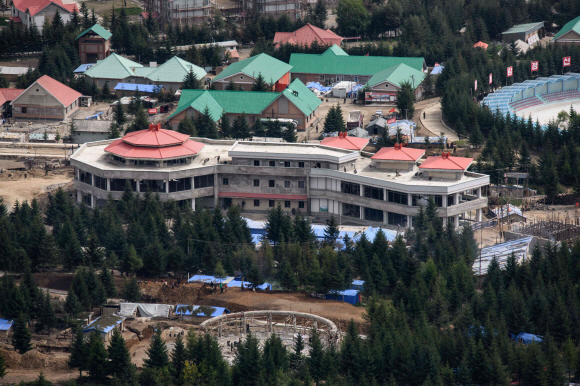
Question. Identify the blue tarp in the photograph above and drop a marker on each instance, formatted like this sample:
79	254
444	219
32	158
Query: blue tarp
349	296
354	90
357	285
247	284
206	279
217	310
95	116
526	338
437	70
318	87
5	324
135	87
83	67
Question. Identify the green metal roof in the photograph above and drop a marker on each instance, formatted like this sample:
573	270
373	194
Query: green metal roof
348	65
397	75
520	28
305	100
98	30
113	67
572	25
271	68
174	70
248	102
336	50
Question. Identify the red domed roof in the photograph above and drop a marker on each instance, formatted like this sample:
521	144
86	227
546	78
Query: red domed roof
154	143
155	136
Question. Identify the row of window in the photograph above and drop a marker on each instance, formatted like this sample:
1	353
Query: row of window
394	196
272	204
286	164
154	186
371	214
271	183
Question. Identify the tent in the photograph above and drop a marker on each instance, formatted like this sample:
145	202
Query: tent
350	296
437	70
145	310
185	310
247	284
527	338
208	279
357	285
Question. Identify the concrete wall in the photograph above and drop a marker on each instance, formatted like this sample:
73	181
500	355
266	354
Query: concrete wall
86	136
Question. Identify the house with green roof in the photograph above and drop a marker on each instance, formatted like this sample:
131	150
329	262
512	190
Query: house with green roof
275	72
569	34
117	69
386	83
94	44
529	33
335	65
296	102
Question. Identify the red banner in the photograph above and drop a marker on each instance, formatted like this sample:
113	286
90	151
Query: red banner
490	78
566	61
510	71
392	120
535	66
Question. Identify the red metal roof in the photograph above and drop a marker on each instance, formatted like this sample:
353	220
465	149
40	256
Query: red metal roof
64	94
145	15
343	141
306	35
125	150
263	195
481	44
16	19
35	6
9	94
446	162
234	54
155	136
398	153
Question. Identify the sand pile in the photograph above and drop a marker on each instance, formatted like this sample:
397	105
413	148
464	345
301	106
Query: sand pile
35	360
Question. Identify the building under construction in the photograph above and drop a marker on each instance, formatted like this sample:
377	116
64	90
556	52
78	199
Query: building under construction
294	8
183	12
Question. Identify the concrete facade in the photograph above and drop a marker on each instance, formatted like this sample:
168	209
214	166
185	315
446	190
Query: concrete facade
37	103
313	179
92	48
38	18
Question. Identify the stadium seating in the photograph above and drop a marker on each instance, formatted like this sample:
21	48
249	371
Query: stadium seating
561	96
526	103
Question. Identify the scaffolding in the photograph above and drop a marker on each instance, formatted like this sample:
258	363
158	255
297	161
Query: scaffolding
554	230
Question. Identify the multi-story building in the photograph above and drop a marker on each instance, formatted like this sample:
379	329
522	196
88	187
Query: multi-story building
34	12
95	44
294	8
184	12
388	188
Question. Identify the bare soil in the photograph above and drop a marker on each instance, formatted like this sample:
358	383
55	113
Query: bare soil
25	186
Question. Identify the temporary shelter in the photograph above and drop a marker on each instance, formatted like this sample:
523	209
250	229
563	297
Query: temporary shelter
350	296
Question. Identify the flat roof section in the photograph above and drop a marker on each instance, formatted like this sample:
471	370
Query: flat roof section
298	151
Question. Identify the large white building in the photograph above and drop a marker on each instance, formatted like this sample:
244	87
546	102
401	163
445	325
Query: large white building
386	188
34	12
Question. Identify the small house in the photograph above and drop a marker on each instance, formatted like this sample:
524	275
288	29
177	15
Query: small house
5	328
90	130
569	35
350	296
530	33
94	44
105	325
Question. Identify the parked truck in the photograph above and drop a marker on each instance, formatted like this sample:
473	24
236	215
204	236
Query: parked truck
355	119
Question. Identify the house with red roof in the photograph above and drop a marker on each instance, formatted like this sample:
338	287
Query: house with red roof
7	95
445	166
306	35
343	141
399	157
46	99
33	12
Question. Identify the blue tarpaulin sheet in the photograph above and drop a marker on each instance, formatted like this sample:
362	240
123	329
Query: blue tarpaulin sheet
437	70
182	309
354	90
83	67
526	338
357	285
5	324
349	296
207	279
135	87
318	87
247	284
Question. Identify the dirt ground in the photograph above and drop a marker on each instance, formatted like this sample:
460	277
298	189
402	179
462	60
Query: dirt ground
25	189
26	61
104	7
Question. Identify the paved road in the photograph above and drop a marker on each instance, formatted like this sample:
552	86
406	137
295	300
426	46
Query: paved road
432	122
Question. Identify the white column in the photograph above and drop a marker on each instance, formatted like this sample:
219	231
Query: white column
456	221
108	184
444	201
478	192
93	201
456	199
79	196
193	203
409	221
385	197
385	216
362	190
137	185
478	215
166	186
409	199
362	212
445	219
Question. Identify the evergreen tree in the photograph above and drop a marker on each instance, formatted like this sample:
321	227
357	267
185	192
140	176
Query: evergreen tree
119	115
157	357
190	81
48	317
106	92
21	337
260	84
247	368
187	126
406	99
120	365
331	231
79	352
178	358
132	292
2	366
97	362
114	132
141	121
315	360
108	282
296	358
72	305
289	134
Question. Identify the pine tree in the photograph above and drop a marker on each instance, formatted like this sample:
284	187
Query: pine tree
48	317
79	287
187	126
247	369
108	282
190	81
97	363
289	135
132	292
141	121
119	115
231	86
260	84
331	231
120	365
406	99
21	336
178	358
106	92
114	132
315	360
2	366
296	358
132	262
157	357
72	305
225	126
287	277
41	380
79	352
